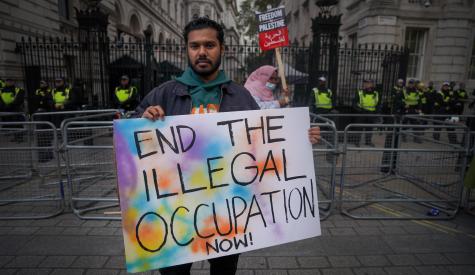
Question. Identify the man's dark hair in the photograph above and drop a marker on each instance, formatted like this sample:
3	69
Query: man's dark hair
203	23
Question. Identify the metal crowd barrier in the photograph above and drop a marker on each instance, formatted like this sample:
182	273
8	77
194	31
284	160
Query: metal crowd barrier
469	121
406	175
24	192
90	169
401	179
325	156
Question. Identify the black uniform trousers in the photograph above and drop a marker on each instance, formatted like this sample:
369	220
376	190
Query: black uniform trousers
226	265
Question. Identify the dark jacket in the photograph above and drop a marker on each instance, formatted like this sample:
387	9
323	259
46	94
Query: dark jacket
174	98
445	107
43	100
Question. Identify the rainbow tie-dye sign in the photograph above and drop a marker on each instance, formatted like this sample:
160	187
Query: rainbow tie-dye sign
195	187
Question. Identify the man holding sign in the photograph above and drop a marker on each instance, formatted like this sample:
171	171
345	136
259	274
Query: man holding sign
202	88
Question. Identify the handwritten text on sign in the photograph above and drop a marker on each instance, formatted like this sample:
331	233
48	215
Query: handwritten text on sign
273	32
195	187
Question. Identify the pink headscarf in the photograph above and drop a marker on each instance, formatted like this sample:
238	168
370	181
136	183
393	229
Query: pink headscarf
256	83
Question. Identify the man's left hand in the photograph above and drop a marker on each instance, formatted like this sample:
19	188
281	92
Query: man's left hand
314	135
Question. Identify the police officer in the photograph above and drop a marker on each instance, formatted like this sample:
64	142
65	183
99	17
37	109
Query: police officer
62	95
445	104
411	98
323	98
462	97
125	95
11	97
366	101
12	100
427	99
43	97
396	101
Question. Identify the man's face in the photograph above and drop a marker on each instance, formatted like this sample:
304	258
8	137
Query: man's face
445	87
400	83
59	83
124	82
367	85
204	51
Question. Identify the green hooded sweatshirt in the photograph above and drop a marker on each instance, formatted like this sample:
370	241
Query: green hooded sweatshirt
205	96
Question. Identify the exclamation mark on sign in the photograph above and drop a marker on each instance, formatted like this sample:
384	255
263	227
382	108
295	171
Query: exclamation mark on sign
250	238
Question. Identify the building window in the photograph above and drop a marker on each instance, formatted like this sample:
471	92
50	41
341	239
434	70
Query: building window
63	8
416	44
471	72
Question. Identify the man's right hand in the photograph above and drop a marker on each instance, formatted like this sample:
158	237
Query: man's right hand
154	112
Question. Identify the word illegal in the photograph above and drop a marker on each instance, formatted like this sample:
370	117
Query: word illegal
177	145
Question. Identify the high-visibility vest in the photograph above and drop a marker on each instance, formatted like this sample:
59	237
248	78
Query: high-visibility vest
41	92
2	83
462	94
368	102
8	96
423	96
445	98
61	96
124	94
323	99
411	98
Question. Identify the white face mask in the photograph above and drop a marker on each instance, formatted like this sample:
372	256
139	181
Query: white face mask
270	86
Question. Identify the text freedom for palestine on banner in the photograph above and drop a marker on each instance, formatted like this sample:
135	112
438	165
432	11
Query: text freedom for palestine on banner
273	32
195	187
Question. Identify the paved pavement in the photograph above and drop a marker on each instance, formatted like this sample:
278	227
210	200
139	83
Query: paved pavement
68	245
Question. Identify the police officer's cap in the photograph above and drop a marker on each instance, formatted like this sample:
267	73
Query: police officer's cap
446	83
412	81
59	79
42	82
124	77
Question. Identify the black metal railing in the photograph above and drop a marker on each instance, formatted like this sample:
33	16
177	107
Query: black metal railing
97	66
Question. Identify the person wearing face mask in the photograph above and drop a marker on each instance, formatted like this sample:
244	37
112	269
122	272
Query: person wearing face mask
263	83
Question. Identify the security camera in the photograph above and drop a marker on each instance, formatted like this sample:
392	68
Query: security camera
427	3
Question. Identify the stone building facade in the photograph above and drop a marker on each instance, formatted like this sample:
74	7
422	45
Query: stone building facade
440	34
127	18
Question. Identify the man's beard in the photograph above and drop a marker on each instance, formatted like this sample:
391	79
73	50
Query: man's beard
206	72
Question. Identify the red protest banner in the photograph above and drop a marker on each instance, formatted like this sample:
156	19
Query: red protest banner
274	39
273	32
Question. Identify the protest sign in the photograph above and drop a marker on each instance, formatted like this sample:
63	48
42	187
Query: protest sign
273	32
194	187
